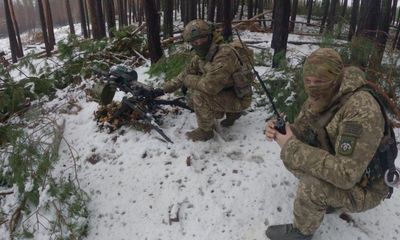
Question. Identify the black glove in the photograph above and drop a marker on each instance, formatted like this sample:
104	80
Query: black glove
157	92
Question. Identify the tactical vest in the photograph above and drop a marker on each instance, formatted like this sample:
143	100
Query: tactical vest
383	161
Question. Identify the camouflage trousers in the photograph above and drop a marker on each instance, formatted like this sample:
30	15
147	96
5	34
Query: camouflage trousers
207	107
314	196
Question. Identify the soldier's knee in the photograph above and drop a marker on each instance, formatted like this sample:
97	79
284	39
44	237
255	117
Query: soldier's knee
313	189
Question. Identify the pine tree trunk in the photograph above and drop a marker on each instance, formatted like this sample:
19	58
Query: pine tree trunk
44	27
69	15
110	11
220	9
332	16
241	10
394	11
49	23
325	5
227	33
368	24
309	10
83	19
141	11
353	20
97	19
249	9
293	15
11	32
168	18
280	31
344	9
383	33
153	30
211	10
396	41
20	52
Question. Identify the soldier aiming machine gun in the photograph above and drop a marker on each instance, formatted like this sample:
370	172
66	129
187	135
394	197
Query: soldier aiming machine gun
142	101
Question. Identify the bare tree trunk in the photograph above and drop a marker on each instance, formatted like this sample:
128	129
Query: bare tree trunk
353	20
293	15
109	9
69	15
211	10
220	9
383	33
20	52
324	17
241	10
153	30
332	16
280	31
44	28
141	11
11	32
394	11
83	19
227	33
309	10
370	12
49	23
97	19
344	9
249	9
168	18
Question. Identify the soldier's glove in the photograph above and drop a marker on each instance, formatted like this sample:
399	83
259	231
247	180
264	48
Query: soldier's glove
157	92
191	81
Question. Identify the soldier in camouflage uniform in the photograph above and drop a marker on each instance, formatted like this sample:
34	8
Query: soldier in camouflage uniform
209	79
330	158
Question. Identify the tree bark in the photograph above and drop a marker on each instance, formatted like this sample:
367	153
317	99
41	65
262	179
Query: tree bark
97	19
227	33
153	30
11	32
324	17
383	33
249	9
83	19
309	10
69	15
280	31
293	15
211	10
20	52
44	28
368	25
168	18
241	10
332	16
110	11
220	9
353	20
344	9
49	23
394	11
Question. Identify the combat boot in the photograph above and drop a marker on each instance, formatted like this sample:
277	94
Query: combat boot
286	232
200	135
230	119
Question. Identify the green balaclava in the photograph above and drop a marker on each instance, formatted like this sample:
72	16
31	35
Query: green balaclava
326	65
202	50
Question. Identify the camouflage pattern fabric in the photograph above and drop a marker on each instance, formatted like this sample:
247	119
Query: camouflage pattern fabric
211	85
333	179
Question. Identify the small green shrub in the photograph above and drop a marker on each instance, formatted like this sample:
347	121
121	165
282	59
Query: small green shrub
170	66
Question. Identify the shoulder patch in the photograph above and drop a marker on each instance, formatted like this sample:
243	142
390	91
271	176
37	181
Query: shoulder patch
346	145
352	129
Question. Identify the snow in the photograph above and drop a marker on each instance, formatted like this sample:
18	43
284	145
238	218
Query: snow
229	188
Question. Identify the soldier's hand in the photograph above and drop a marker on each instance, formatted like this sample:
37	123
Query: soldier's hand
282	139
270	131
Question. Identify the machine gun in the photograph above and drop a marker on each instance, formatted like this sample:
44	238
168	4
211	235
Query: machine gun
142	102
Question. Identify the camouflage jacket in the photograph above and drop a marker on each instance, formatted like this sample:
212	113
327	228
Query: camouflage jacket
355	132
211	75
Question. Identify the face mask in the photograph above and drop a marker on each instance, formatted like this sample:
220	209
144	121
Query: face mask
202	50
320	96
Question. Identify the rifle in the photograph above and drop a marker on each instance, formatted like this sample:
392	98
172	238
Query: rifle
142	101
280	122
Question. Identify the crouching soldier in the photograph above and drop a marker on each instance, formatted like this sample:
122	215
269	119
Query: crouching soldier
332	147
215	79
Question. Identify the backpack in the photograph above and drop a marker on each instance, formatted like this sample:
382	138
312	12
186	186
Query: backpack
382	164
243	78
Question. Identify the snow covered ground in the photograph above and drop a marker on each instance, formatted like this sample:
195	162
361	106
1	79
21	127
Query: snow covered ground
229	188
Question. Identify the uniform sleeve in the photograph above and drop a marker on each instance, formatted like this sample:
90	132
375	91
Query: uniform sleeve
219	75
360	130
177	82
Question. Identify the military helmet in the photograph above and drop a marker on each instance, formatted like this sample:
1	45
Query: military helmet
196	29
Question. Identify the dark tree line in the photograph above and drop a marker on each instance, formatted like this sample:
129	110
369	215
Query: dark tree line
367	18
